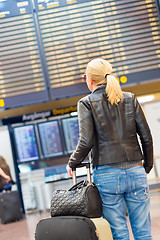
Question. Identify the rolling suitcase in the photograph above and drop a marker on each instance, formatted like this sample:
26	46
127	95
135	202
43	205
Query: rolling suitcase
73	227
10	207
66	228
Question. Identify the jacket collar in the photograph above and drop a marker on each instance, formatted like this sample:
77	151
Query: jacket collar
103	86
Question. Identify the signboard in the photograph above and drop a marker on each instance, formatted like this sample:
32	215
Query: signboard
21	75
10	8
127	34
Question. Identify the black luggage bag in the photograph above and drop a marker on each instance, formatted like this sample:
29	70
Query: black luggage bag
66	227
10	207
73	227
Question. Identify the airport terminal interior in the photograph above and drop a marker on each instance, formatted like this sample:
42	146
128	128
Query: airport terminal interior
45	46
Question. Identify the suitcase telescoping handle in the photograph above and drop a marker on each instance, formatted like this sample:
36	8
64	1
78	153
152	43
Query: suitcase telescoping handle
87	165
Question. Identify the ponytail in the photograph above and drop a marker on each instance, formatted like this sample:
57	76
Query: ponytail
100	71
113	90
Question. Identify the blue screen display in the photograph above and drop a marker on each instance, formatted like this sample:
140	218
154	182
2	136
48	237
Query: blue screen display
48	4
26	143
71	133
10	8
50	138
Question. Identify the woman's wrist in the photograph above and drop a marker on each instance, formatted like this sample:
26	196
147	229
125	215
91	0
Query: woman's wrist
2	173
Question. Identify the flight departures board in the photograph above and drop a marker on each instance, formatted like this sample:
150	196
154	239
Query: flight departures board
21	76
46	45
126	33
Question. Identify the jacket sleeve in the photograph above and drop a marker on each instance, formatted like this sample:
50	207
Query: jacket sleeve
145	136
86	135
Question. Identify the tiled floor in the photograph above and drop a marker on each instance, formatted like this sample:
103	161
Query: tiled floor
25	229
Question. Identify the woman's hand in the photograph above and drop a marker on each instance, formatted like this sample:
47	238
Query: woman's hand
2	173
8	179
69	170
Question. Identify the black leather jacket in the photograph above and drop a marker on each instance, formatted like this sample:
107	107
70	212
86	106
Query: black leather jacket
110	131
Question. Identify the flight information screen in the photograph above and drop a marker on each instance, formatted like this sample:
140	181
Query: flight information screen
21	75
9	8
50	138
46	45
26	144
126	33
71	133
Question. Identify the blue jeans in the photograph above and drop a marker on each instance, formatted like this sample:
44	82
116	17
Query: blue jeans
130	185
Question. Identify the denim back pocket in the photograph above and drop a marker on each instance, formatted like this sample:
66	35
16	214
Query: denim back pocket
109	187
140	189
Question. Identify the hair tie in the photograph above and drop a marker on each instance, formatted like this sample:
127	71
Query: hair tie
106	75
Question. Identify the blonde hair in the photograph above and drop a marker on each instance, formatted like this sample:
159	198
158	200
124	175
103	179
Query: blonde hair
100	71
